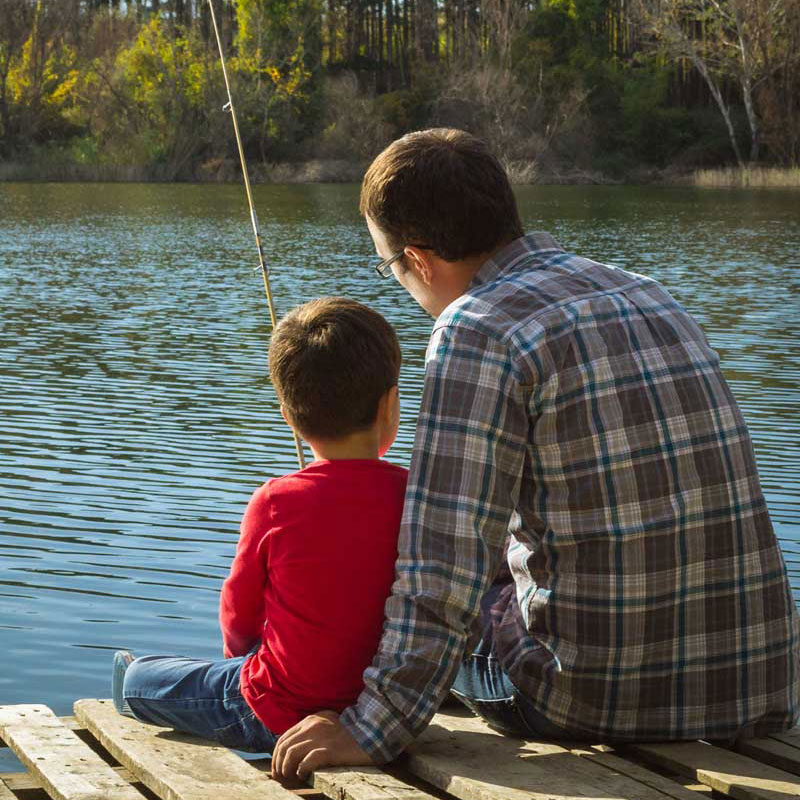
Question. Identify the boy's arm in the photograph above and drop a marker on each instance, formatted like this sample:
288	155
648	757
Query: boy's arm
241	606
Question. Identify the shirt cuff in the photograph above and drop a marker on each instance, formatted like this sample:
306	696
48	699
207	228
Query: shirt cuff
382	735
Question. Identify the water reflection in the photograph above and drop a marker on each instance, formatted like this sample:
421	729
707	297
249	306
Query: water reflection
137	418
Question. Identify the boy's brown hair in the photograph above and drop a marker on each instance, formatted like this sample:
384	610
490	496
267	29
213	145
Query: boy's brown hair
441	188
330	361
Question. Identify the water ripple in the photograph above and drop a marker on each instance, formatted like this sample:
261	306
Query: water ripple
137	416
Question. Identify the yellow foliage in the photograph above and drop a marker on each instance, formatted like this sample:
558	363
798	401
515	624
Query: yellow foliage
158	66
44	73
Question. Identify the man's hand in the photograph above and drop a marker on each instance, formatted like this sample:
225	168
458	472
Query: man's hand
317	741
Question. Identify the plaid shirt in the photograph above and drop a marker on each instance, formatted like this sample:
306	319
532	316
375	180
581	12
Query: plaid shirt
576	415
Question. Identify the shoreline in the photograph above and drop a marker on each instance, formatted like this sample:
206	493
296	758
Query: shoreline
224	171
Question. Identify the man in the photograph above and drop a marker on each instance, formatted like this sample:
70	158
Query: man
575	415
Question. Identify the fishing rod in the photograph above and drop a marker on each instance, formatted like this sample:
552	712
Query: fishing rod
253	218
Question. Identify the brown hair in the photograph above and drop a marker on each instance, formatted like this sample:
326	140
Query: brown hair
330	361
444	189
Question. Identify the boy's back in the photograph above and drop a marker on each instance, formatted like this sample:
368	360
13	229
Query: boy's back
302	610
314	566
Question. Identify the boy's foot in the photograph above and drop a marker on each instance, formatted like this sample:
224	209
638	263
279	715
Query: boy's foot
122	660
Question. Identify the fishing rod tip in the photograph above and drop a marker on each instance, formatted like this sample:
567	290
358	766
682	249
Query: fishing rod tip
227	106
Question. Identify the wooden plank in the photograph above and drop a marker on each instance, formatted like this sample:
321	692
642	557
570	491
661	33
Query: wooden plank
5	791
773	752
365	783
724	771
354	783
466	758
790	738
607	758
18	781
69	722
173	765
65	766
300	790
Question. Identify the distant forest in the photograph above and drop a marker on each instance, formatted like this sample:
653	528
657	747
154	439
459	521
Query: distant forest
559	88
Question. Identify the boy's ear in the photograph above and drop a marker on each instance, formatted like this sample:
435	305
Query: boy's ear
286	418
388	404
394	395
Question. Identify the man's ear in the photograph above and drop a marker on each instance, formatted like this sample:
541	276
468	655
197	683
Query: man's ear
420	261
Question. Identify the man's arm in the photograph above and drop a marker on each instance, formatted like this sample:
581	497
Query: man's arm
463	485
241	602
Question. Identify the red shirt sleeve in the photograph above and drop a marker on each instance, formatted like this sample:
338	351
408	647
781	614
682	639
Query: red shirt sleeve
241	607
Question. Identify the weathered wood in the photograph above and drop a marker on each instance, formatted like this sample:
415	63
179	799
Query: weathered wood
365	783
791	738
301	790
173	765
5	791
773	752
25	782
463	756
723	770
65	766
354	783
607	758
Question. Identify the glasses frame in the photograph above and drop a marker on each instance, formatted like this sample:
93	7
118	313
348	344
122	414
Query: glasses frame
384	269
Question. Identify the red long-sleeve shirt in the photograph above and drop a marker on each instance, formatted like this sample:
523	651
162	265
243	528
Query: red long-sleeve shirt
313	568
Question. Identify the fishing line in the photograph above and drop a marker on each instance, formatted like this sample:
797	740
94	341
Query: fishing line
253	218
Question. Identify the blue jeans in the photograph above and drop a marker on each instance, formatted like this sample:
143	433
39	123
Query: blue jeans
483	687
198	697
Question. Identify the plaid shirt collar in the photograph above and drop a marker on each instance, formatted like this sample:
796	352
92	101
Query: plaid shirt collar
520	251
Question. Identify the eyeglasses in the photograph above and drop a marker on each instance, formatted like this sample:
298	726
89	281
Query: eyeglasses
384	269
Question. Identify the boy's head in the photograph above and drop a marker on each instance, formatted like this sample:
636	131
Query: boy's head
331	361
444	190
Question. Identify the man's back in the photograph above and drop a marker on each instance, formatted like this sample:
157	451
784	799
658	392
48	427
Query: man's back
651	596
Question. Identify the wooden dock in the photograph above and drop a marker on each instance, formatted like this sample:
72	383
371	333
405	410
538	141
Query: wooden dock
100	755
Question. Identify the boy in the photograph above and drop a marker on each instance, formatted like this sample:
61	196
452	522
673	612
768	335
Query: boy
302	609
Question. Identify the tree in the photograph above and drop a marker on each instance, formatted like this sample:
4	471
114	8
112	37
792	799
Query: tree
16	18
279	61
727	41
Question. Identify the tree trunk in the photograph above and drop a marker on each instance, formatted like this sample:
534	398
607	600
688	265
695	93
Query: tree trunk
746	80
331	31
717	95
389	42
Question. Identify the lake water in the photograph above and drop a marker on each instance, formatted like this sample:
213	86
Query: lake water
137	416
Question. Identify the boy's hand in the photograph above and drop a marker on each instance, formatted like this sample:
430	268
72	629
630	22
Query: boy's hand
317	741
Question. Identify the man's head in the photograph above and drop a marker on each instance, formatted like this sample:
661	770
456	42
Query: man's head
333	361
442	199
441	188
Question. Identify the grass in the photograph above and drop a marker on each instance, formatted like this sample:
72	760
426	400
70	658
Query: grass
14	171
749	177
